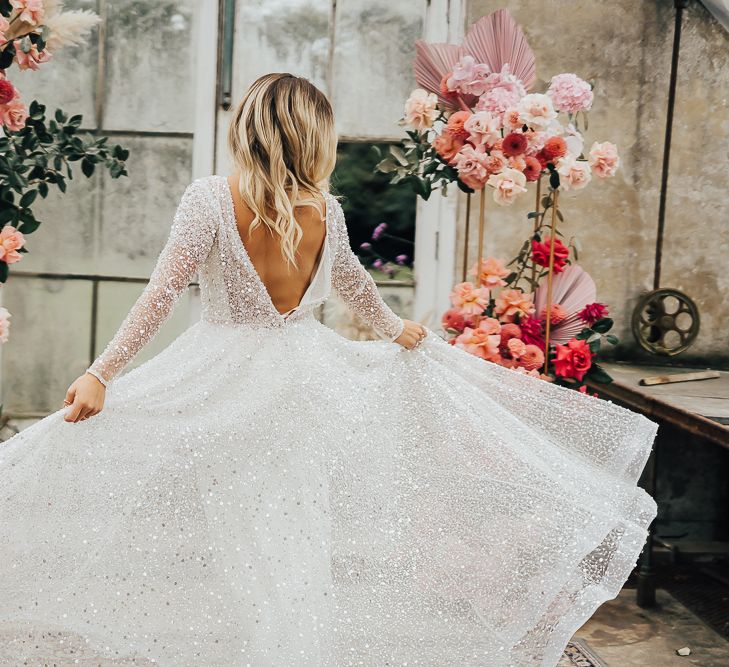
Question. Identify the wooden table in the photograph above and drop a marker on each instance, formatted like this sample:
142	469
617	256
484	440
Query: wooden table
700	407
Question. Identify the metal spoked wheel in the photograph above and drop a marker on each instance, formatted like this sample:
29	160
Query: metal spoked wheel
665	322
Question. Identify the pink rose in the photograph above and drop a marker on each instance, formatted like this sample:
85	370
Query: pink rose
570	93
491	273
32	59
13	115
29	11
604	159
573	174
4	325
507	185
420	109
471	168
468	299
513	302
4	27
483	128
495	162
11	240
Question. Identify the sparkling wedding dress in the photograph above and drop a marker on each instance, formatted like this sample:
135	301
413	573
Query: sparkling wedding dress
265	492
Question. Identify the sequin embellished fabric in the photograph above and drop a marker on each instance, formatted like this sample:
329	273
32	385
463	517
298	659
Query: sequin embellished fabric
265	492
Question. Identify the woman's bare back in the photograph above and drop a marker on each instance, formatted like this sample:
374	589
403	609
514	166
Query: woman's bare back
285	284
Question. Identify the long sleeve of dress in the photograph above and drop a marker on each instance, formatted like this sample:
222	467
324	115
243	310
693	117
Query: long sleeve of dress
356	286
190	239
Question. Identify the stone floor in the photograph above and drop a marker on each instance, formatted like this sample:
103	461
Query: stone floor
624	635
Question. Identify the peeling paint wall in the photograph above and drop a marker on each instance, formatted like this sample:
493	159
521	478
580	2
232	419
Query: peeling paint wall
625	47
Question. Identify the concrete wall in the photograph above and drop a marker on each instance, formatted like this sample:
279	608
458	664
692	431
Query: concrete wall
625	47
103	226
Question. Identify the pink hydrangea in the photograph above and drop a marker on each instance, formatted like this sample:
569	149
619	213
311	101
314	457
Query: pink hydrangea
468	77
570	93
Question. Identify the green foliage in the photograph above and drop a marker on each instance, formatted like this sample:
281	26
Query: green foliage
40	155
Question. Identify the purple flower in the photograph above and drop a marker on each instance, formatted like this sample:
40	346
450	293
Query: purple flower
379	231
365	246
378	264
401	259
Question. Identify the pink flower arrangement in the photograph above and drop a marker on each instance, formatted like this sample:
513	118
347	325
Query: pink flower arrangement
570	93
11	241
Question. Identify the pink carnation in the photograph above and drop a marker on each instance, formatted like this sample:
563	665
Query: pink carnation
570	93
593	312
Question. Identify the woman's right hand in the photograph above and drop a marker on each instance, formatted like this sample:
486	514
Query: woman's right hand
412	335
84	398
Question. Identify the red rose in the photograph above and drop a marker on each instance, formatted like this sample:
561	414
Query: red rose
572	360
540	253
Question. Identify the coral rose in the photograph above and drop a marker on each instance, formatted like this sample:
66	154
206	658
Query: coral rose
508	185
603	159
447	146
513	302
533	168
13	115
554	147
491	274
468	299
540	253
572	360
515	143
532	358
456	124
481	341
11	240
420	109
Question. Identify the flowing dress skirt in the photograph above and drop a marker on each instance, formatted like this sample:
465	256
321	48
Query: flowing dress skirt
287	497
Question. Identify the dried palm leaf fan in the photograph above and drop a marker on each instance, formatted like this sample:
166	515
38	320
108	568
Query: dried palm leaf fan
495	40
666	321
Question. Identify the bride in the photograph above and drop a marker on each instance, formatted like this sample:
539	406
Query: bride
265	492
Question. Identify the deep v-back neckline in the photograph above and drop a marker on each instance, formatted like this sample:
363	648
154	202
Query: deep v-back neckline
240	244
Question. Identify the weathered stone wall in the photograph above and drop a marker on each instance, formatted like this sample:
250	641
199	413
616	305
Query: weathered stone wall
103	226
625	47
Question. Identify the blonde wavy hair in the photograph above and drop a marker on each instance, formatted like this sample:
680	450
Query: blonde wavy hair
284	146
